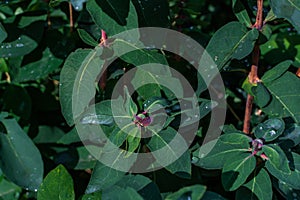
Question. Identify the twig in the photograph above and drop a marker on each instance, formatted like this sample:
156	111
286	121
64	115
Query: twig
103	43
71	17
253	77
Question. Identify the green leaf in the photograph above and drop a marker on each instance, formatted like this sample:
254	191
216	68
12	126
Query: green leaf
284	101
260	187
58	184
193	192
17	100
214	154
39	69
20	47
276	71
77	82
261	95
114	17
129	104
3	34
174	154
287	9
87	38
270	129
85	159
20	160
277	163
241	12
232	41
235	173
137	182
8	190
103	177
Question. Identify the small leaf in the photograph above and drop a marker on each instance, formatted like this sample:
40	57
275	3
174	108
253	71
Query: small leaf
87	38
92	196
137	182
20	160
241	12
276	71
39	69
270	129
287	9
58	184
48	134
129	104
260	187
193	192
20	47
235	173
8	190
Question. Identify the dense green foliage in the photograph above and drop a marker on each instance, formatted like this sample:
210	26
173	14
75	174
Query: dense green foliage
53	100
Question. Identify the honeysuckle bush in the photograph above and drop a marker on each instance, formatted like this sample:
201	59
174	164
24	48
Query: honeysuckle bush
47	45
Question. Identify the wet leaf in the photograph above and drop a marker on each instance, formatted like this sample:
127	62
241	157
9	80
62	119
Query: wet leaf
193	192
270	129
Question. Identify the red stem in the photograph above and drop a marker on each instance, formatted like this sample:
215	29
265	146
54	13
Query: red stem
71	16
253	76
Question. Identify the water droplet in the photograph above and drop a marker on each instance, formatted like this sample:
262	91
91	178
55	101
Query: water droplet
196	116
19	45
31	72
295	194
260	128
216	58
272	132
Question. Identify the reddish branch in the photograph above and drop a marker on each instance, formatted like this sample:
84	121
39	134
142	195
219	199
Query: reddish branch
253	76
71	16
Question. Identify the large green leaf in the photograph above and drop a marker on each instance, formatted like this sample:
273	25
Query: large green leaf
114	17
77	82
39	69
235	173
288	9
8	190
58	184
20	47
103	177
285	101
193	192
214	154
232	41
258	187
20	160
